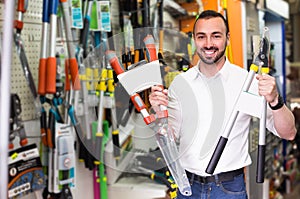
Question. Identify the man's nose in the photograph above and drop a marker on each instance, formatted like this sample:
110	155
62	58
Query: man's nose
209	42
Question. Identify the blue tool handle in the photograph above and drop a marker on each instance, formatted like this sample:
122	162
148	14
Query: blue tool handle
216	155
53	7
72	116
46	17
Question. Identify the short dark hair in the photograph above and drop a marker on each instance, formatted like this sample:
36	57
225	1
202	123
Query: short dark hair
207	14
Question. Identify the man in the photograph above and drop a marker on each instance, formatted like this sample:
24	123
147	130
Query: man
200	102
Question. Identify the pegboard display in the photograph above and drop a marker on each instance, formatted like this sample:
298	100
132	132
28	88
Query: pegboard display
31	36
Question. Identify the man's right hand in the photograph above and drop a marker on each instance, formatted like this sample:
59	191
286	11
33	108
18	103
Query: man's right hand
158	96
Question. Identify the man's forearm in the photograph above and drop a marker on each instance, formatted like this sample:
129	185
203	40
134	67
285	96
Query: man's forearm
284	123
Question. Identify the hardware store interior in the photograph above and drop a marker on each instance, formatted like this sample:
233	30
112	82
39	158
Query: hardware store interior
75	125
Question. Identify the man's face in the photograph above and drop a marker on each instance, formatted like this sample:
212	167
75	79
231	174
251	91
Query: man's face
211	40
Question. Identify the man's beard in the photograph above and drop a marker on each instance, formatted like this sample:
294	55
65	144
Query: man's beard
213	60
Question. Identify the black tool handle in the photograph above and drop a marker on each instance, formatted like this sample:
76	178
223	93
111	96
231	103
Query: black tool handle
260	163
216	155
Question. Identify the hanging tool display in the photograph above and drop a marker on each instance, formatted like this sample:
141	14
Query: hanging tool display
158	123
60	142
57	139
16	124
71	70
21	9
104	89
260	63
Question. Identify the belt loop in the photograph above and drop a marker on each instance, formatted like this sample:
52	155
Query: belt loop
217	179
192	179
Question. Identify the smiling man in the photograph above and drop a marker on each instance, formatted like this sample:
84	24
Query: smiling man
200	102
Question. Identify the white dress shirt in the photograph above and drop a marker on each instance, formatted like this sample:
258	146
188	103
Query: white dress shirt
199	108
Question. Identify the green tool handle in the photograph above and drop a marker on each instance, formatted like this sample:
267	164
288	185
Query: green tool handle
103	178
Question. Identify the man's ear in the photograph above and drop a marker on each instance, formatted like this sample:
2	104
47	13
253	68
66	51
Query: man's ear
228	38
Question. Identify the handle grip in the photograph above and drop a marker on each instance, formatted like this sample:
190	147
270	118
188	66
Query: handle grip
84	35
43	121
22	6
42	76
150	48
53	5
260	163
45	17
216	155
114	62
51	75
51	130
116	143
99	140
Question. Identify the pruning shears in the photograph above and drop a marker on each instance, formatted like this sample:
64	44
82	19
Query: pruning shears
260	64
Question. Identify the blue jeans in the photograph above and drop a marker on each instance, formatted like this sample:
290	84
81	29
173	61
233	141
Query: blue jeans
235	189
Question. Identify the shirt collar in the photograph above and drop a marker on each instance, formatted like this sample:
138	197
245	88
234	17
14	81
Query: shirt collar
224	72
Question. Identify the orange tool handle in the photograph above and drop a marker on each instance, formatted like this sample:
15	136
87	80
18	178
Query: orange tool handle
161	40
18	24
44	137
150	48
115	62
22	6
23	142
49	138
42	76
43	124
10	146
51	130
51	75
